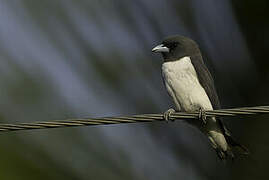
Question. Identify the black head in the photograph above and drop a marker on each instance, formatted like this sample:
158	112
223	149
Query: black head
176	47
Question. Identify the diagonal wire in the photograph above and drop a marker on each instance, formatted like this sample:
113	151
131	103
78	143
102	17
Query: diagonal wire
131	119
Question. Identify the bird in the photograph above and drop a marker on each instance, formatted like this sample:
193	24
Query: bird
191	86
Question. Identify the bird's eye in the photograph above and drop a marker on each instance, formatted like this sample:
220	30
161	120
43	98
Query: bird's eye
173	45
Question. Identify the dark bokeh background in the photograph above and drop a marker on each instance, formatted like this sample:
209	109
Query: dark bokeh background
79	58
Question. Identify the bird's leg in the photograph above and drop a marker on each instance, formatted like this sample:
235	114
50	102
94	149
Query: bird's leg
166	114
202	115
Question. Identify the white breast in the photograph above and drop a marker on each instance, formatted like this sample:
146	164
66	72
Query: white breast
183	85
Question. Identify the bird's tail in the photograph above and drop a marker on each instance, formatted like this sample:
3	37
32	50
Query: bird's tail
236	146
234	150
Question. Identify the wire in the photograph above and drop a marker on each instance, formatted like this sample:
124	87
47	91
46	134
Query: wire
131	119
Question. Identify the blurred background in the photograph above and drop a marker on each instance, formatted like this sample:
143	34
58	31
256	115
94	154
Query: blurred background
77	58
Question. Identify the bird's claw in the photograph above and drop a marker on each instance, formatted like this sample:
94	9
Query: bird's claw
202	115
166	115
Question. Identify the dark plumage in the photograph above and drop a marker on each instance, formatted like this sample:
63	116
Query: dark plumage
175	49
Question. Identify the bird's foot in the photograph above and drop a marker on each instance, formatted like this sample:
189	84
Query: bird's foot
166	115
202	115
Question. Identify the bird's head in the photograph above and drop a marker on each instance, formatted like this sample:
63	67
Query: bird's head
176	47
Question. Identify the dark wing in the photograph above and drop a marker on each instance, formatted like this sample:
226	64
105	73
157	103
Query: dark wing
207	83
206	80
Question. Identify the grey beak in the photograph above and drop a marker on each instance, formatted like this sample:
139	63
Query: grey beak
160	48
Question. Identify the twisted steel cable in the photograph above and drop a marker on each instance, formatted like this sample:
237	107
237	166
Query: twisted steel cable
131	119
